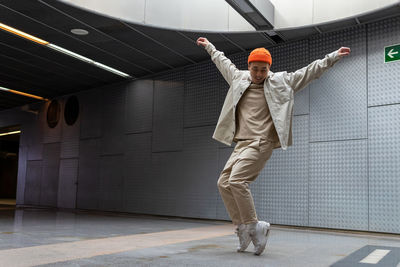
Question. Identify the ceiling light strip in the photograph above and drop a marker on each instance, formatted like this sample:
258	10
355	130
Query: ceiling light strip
62	50
105	67
10	133
22	93
23	34
70	53
88	60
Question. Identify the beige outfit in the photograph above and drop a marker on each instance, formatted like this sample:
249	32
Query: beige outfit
246	162
256	137
260	120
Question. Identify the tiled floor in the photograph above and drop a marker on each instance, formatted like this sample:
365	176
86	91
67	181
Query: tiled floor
39	237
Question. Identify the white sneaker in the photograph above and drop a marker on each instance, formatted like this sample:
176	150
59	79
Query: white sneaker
259	234
243	233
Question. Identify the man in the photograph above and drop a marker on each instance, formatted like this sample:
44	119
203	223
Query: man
257	115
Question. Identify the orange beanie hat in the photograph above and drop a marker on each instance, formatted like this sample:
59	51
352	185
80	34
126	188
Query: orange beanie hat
260	54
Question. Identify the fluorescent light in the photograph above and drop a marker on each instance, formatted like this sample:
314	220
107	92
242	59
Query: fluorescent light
10	133
70	53
111	69
22	34
61	50
88	60
22	93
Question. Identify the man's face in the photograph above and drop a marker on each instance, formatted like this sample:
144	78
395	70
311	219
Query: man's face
258	71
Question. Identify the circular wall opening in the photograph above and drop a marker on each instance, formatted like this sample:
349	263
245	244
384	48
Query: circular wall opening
53	113
71	111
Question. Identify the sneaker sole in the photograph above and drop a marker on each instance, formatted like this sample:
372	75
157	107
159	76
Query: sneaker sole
239	249
261	250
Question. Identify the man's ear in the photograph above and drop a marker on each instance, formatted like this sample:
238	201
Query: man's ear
248	65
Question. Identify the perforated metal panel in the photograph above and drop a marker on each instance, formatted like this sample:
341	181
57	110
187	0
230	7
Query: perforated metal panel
240	60
67	186
111	182
281	190
139	106
88	174
338	99
35	128
302	102
137	173
113	119
168	112
199	138
201	95
195	191
21	177
339	185
384	168
383	78
196	188
90	115
166	181
289	57
33	181
49	180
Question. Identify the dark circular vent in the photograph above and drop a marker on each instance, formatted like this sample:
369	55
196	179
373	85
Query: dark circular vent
53	113
71	111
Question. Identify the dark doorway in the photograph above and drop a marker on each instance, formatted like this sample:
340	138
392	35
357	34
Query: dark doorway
9	148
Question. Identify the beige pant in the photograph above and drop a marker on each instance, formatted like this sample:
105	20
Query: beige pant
246	162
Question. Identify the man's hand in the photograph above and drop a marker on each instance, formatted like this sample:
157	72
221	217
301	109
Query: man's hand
344	51
202	41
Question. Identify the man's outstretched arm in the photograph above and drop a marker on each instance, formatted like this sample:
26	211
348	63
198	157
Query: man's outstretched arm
224	64
302	77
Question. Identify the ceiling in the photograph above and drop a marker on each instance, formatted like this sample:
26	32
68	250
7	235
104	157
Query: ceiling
136	49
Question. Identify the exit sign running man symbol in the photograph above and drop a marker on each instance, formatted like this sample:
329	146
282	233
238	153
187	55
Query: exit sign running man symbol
392	53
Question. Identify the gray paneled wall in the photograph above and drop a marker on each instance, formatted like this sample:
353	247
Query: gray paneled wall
67	186
384	168
202	91
88	190
168	112
138	181
50	174
146	146
113	119
338	101
139	106
338	185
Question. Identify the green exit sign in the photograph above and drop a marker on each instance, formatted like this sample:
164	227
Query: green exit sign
392	53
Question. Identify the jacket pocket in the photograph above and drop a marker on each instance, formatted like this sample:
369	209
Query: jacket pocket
281	94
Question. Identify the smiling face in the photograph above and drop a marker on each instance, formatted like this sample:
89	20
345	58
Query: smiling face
258	71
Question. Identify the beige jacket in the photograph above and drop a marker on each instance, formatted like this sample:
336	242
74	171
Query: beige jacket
279	89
